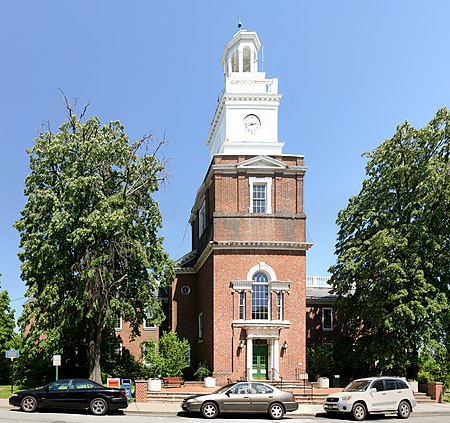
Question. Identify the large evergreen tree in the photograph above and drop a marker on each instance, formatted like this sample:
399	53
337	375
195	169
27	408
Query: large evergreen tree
89	237
393	261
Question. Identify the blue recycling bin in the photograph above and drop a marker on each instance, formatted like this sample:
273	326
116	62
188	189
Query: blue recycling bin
127	384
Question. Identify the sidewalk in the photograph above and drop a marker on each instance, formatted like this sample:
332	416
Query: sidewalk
172	409
304	410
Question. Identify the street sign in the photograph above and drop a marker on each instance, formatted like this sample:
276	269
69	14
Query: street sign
12	354
56	363
57	360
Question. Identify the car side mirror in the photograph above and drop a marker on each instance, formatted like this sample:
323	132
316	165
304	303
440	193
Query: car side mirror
373	390
47	389
228	393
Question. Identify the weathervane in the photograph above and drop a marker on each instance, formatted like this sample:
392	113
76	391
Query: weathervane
239	21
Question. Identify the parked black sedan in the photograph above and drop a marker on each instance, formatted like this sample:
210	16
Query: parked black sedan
242	397
72	394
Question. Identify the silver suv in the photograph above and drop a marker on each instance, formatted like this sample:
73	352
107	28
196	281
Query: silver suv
375	395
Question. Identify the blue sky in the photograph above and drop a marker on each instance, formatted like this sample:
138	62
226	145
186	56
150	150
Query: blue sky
349	72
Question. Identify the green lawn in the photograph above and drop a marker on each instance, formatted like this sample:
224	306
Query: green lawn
5	391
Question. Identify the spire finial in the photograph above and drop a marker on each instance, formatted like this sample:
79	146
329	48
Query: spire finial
239	22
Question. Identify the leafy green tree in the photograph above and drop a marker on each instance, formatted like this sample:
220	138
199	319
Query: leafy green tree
7	335
168	356
89	237
392	269
319	360
7	321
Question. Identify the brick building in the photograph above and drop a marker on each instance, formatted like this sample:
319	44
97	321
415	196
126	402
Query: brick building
239	297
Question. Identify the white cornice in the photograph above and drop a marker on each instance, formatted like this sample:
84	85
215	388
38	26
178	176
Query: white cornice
265	328
262	245
243	245
273	285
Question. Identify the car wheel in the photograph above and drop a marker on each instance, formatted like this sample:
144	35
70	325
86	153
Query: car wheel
210	410
276	411
359	412
404	410
98	406
29	404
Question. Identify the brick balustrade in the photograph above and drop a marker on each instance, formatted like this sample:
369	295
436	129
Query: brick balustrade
435	391
141	391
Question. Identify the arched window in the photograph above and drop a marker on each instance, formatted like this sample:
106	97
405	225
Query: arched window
260	296
247	59
235	62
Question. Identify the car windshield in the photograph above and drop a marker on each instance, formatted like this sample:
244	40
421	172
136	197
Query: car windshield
223	388
357	386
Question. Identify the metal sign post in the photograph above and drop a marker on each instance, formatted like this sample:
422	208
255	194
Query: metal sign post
12	354
57	363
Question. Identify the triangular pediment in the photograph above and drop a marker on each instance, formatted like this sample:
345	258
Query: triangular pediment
262	162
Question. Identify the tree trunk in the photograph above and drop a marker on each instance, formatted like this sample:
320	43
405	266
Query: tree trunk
94	354
413	369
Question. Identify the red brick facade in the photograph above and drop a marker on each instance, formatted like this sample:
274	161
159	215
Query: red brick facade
134	345
234	241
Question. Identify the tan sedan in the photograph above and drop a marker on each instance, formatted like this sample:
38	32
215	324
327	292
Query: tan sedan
242	397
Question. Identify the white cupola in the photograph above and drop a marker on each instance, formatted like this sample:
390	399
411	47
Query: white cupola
241	53
246	118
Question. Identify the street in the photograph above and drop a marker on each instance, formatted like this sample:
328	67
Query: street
55	417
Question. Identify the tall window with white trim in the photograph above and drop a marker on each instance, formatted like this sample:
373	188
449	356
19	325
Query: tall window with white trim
279	305
260	191
260	296
260	198
148	319
327	318
118	325
241	310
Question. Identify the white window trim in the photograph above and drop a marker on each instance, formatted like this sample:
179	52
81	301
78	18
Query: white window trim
118	328
279	301
188	358
269	299
268	183
323	319
264	268
151	326
119	349
241	306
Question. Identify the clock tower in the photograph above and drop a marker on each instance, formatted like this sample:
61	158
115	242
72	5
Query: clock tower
239	296
246	118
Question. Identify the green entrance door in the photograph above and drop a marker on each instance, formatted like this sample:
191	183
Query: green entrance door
259	370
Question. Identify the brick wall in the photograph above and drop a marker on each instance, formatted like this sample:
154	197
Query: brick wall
134	345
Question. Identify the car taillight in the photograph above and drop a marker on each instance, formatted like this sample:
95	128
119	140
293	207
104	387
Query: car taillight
123	393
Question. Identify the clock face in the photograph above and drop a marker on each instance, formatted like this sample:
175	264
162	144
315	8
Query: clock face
251	123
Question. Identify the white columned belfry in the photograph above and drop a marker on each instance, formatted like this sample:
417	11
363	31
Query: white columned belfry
246	118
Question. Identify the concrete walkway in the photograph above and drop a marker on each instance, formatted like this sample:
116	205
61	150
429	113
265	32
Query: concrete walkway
172	409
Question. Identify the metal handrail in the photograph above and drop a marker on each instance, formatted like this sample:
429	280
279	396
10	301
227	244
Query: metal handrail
275	371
